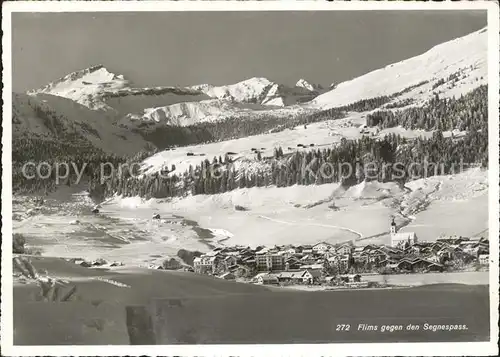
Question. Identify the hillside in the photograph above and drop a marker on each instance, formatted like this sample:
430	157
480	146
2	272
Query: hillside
395	88
307	214
449	69
452	69
58	119
400	102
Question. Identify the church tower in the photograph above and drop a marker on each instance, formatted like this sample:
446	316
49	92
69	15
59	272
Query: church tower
393	227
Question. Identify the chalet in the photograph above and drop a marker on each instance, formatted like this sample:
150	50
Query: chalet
412	263
352	278
266	279
334	259
311	276
205	264
434	266
292	263
242	270
289	251
307	259
484	259
369	247
483	247
330	253
345	261
469	247
344	249
331	280
419	248
249	261
229	261
375	256
294	276
322	247
445	253
357	250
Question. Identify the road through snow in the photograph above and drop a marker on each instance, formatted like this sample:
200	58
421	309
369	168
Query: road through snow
312	224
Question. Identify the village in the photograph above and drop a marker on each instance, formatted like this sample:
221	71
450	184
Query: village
343	265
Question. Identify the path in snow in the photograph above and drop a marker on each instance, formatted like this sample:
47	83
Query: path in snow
409	217
313	224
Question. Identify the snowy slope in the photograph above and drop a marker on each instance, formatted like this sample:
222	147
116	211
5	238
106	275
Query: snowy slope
321	135
303	214
466	55
50	116
252	97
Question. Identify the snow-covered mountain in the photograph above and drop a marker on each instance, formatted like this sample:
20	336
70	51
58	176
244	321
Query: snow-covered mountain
449	69
95	87
302	83
188	113
255	97
99	89
261	91
417	79
464	59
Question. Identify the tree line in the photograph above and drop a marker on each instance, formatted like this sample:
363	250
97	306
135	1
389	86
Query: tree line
391	158
469	112
221	174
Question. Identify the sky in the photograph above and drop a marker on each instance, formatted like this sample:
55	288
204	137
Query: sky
187	48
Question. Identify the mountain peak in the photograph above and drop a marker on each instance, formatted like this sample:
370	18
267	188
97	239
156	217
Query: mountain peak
96	75
302	83
85	85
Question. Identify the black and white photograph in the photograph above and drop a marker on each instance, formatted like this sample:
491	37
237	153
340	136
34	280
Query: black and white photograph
246	177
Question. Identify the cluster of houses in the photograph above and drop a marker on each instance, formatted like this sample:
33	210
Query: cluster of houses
342	263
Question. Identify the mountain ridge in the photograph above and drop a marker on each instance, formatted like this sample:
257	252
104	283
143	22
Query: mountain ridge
257	101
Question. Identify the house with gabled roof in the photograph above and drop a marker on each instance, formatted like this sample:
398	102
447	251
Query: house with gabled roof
344	249
266	279
206	263
321	247
311	275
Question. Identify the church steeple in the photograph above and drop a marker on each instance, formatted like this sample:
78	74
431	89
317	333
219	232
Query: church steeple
393	227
